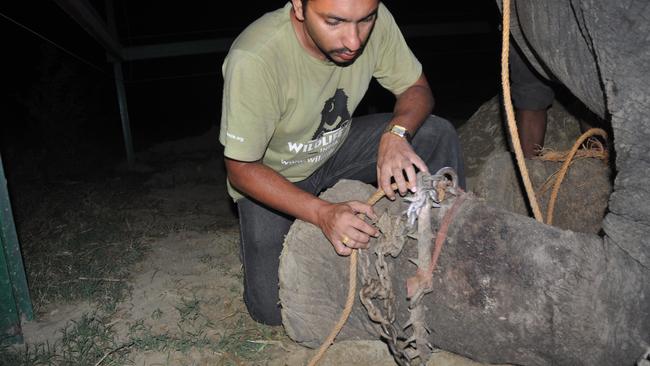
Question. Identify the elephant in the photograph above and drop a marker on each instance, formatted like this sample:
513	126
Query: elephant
510	289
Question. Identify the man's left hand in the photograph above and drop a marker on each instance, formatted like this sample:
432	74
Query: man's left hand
396	159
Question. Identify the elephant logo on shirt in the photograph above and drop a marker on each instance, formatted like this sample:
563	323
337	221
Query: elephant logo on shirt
334	113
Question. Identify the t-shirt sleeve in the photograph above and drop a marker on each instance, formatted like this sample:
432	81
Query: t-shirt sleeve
249	110
397	67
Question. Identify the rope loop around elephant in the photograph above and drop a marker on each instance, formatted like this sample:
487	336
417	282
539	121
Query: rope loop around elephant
565	167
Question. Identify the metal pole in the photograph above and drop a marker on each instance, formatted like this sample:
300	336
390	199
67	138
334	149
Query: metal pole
121	90
124	112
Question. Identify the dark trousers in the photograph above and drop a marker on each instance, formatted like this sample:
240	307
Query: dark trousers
529	89
263	229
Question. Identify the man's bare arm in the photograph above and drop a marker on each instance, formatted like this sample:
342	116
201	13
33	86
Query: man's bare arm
396	158
336	220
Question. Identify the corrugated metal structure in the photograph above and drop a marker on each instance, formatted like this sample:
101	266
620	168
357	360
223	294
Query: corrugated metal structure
15	303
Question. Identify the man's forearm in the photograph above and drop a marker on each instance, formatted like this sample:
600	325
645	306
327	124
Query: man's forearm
414	105
270	188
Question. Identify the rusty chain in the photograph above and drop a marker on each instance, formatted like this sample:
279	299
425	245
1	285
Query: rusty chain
377	294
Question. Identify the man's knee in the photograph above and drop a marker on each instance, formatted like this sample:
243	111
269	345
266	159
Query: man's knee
262	307
437	143
438	134
436	126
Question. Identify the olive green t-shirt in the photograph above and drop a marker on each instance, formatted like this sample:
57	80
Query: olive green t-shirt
293	111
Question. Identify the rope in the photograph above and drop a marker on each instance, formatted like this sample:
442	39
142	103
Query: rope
594	149
565	168
352	289
510	114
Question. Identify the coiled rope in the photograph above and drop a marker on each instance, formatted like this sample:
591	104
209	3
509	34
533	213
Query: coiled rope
565	168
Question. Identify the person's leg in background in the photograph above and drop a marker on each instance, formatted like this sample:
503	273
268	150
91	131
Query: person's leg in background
531	98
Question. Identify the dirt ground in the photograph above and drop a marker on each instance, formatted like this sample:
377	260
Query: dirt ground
184	305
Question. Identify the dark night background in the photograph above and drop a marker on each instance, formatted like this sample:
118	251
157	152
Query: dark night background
60	115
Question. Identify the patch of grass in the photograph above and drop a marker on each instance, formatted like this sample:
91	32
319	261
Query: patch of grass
93	339
209	260
84	342
43	354
79	243
239	339
88	341
189	310
144	339
156	314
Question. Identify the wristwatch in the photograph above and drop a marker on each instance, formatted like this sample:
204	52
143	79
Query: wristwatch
400	131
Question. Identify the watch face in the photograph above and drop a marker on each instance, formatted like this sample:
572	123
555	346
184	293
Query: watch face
399	131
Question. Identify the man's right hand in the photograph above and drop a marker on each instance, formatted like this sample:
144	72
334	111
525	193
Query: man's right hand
343	228
338	221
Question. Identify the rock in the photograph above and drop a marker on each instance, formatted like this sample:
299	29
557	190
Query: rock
493	175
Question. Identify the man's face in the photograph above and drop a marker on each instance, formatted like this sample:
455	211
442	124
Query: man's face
337	29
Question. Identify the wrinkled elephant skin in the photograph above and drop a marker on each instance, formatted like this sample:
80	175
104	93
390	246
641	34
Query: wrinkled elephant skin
600	50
